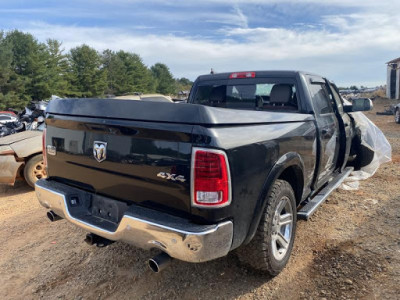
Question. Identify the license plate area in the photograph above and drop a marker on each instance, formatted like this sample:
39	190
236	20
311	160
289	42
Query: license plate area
107	209
96	210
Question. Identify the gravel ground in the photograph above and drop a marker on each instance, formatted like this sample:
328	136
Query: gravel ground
350	249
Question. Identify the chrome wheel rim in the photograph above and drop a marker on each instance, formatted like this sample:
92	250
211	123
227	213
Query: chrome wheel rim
39	171
282	227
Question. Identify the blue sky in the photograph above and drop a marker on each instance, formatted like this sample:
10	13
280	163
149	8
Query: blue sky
347	41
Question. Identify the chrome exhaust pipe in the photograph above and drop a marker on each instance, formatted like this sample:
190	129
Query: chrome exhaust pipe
89	239
53	216
94	239
159	262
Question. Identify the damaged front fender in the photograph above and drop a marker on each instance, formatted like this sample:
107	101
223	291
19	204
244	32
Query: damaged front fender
9	169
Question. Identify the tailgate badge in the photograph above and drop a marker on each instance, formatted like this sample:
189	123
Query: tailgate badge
173	177
99	150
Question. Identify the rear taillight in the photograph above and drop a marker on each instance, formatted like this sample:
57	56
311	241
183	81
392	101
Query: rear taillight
211	183
242	75
44	148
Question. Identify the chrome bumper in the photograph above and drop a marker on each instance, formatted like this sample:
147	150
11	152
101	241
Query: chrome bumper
148	229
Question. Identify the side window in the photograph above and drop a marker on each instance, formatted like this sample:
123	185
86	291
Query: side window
320	98
336	98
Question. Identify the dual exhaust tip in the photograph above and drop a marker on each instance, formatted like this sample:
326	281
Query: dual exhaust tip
156	264
53	216
94	239
159	262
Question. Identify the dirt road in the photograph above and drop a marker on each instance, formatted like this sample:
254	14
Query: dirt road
350	249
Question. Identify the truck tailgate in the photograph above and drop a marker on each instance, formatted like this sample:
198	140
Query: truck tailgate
123	159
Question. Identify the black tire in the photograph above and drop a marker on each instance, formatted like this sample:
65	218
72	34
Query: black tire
34	170
259	253
397	116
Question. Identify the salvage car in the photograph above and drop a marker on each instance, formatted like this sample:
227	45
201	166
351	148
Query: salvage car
21	157
7	117
234	168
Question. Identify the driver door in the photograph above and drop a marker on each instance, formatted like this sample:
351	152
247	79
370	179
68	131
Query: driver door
328	144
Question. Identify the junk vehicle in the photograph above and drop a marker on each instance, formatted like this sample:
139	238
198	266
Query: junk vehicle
7	117
21	146
234	168
30	118
21	157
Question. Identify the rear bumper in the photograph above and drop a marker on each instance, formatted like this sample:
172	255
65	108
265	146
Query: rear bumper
146	228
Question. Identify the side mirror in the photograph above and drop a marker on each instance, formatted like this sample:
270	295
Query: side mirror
359	104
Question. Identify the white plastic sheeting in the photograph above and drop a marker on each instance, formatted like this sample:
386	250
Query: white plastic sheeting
373	138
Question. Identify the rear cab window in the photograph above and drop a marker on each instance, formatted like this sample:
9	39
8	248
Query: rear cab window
269	94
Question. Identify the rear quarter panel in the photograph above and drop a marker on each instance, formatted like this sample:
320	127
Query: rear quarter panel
252	152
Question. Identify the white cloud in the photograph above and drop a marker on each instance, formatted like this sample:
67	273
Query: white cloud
341	3
348	48
242	17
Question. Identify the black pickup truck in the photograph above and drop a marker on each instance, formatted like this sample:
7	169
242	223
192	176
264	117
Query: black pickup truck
234	168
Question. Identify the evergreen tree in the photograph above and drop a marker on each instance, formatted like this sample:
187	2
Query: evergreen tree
29	63
30	70
183	84
126	73
87	77
5	63
165	83
57	69
138	75
5	73
118	82
114	72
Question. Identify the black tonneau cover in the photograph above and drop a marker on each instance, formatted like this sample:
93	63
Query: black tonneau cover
185	113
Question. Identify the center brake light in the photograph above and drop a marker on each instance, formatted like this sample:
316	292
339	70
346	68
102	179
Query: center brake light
210	180
242	75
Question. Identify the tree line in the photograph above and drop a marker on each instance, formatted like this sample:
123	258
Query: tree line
31	70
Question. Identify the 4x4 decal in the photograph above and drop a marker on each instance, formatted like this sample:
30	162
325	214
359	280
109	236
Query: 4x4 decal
173	177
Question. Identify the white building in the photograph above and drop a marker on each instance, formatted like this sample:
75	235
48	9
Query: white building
393	79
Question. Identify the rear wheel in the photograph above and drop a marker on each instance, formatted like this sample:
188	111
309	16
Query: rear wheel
270	249
34	170
397	116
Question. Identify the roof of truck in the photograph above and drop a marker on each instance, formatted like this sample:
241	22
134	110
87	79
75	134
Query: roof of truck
271	73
